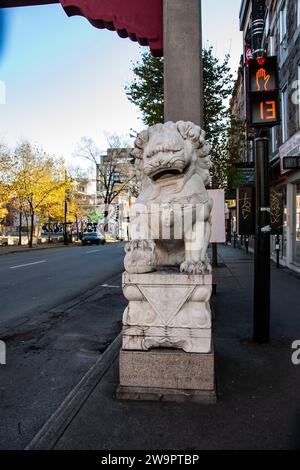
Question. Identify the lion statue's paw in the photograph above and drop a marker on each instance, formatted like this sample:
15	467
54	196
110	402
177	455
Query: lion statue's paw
140	257
208	266
195	267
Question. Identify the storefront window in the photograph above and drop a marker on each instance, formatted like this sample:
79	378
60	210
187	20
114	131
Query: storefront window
297	225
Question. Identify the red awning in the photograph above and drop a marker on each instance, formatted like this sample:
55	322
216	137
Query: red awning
140	20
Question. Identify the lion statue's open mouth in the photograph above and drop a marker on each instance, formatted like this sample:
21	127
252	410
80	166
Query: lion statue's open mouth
165	173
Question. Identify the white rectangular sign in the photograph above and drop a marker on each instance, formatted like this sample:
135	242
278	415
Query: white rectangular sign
291	148
218	216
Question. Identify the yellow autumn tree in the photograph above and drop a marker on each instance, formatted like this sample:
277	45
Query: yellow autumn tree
61	199
38	182
5	195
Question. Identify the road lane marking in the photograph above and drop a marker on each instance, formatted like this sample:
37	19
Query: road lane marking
107	285
28	264
94	251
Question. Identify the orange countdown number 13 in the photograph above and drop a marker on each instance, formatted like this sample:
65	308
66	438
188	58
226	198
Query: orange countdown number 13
268	110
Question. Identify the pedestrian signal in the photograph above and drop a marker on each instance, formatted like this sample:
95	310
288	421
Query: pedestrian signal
263	92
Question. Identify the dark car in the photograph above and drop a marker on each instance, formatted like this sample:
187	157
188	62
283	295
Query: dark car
90	238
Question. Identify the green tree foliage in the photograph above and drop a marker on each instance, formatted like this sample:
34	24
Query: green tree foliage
147	88
223	131
236	147
217	88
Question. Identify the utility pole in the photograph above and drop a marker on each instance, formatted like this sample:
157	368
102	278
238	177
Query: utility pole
20	228
262	94
66	242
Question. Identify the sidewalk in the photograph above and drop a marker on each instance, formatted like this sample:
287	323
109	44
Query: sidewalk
258	401
7	250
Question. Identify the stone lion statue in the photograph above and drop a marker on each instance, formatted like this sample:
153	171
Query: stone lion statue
171	219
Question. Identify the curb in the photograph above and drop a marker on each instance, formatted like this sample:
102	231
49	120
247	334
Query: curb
51	247
56	425
31	250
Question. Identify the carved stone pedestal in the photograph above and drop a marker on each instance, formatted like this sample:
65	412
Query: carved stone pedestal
167	349
167	309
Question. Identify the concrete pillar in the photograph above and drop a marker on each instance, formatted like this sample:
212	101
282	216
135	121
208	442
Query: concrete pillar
183	61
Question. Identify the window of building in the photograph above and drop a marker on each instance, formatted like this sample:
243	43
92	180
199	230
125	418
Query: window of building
298	95
274	139
283	22
271	45
267	23
116	177
284	113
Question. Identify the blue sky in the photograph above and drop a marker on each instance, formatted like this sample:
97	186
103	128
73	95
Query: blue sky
65	79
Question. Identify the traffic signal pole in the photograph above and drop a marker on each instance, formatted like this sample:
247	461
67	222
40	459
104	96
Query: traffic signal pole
65	213
262	263
263	92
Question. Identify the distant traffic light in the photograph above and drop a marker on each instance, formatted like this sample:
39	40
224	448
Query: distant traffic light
263	89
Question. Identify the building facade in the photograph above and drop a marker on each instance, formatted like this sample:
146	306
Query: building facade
117	188
282	39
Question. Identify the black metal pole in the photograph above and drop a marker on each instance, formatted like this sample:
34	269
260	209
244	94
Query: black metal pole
214	250
262	263
49	228
20	228
247	243
257	27
65	222
65	213
277	251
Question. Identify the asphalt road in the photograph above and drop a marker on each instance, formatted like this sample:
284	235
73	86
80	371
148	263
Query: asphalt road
40	280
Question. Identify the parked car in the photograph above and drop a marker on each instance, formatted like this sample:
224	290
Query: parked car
90	238
12	238
3	241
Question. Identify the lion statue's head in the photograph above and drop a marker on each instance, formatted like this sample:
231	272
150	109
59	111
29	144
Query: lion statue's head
171	151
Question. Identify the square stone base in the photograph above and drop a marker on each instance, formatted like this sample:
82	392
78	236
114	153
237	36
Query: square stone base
167	375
